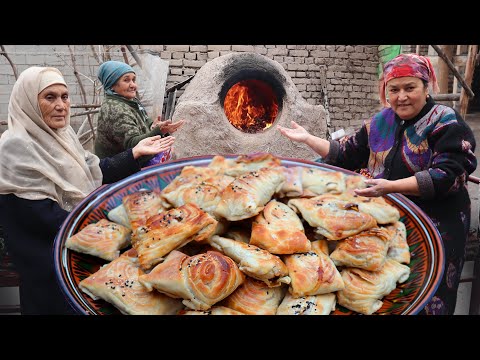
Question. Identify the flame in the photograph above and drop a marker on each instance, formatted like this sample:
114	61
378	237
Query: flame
251	106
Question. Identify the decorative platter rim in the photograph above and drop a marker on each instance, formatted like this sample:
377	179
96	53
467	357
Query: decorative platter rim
76	219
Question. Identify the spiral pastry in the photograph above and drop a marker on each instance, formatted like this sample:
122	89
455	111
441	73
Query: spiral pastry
255	298
201	280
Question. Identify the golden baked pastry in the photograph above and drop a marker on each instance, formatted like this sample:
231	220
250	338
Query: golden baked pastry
366	250
140	205
353	182
244	164
332	217
103	239
171	230
279	230
247	195
317	182
201	280
364	289
254	297
214	310
205	196
292	186
117	283
119	215
307	305
312	273
382	212
398	248
253	261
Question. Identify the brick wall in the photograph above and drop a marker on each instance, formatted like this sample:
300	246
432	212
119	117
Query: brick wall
350	72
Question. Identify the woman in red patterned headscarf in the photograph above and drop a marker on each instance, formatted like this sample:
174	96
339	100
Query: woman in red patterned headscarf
417	148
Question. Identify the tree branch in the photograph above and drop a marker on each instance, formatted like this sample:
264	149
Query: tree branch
4	53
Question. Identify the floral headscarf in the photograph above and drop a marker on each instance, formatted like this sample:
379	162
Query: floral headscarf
407	65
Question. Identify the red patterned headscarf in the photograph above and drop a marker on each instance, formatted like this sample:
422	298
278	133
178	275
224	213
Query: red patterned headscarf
407	65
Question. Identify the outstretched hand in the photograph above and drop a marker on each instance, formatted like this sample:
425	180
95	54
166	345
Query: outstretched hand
296	133
168	126
152	145
377	187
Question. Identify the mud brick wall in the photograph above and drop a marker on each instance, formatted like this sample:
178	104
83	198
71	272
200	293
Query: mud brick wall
347	74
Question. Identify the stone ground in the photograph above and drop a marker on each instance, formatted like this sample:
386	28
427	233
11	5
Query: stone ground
465	289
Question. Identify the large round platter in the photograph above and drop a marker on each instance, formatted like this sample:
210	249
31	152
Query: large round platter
427	253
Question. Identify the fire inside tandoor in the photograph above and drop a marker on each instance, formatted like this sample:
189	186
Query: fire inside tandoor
251	106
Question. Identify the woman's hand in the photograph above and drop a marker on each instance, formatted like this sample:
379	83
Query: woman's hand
296	133
152	145
167	126
378	187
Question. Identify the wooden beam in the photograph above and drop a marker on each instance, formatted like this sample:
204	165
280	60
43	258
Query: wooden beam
442	69
135	55
446	97
469	69
73	106
454	70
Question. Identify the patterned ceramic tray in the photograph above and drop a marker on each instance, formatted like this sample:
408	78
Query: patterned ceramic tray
427	254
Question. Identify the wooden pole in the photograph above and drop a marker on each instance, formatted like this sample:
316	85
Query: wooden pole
455	81
469	69
443	70
446	97
454	70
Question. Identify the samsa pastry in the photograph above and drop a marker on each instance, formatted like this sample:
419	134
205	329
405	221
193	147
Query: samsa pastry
292	186
317	182
307	305
171	230
353	182
244	164
221	181
205	196
103	239
237	233
188	176
253	261
201	280
364	289
254	297
398	248
332	217
312	273
247	195
119	215
367	250
382	212
215	310
279	230
117	283
141	205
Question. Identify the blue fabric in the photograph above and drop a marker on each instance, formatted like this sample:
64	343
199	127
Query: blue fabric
110	71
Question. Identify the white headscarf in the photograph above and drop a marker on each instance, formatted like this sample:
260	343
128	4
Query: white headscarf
37	162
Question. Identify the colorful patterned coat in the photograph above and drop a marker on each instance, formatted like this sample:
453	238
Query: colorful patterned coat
437	147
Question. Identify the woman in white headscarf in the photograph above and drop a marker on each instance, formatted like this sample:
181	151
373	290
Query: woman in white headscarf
44	173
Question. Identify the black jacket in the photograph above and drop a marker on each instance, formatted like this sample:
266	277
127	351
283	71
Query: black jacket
30	227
